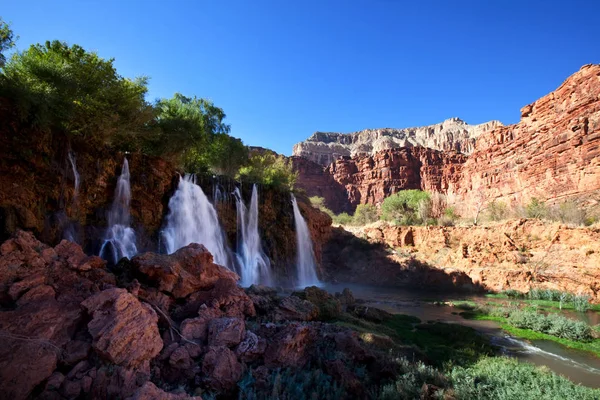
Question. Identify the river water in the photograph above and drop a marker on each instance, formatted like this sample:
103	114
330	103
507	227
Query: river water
580	367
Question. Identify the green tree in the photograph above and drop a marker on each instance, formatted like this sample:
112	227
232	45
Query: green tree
67	88
365	214
269	170
7	40
536	209
403	206
227	154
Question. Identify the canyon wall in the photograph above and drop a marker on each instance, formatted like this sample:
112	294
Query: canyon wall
519	254
368	179
451	135
552	154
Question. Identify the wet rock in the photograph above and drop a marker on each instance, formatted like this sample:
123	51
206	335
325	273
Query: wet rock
264	298
329	307
291	347
226	331
221	368
372	314
75	351
125	331
251	348
295	309
149	391
180	359
188	270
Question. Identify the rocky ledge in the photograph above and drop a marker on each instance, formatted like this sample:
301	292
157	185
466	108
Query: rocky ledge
453	134
162	327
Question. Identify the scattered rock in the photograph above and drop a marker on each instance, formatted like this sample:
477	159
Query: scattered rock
226	331
221	368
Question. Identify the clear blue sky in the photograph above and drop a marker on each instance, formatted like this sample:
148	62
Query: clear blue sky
284	69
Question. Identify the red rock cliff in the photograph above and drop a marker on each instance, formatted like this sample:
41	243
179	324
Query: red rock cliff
552	153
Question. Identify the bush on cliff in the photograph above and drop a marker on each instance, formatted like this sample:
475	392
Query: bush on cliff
66	88
7	40
269	170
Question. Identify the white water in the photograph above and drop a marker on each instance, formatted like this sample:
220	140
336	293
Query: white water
255	266
193	219
305	257
69	232
73	162
119	240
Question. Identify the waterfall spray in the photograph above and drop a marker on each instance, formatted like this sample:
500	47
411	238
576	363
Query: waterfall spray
254	264
193	219
305	257
119	240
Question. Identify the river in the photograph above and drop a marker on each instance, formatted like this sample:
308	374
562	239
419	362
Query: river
580	367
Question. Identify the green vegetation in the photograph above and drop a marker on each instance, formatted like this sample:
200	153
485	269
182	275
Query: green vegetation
566	212
526	323
551	298
551	324
507	379
7	40
365	214
406	207
78	97
269	170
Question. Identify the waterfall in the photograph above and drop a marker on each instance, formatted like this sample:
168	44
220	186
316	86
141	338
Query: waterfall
193	219
119	240
73	162
254	264
305	257
69	232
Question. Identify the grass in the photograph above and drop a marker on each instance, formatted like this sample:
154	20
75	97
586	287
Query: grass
443	344
591	346
543	303
502	378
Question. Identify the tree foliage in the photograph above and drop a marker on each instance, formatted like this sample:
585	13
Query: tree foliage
403	207
7	40
67	88
269	170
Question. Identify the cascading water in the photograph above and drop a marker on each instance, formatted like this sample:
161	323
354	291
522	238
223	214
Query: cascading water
193	219
69	232
254	264
73	162
305	257
119	240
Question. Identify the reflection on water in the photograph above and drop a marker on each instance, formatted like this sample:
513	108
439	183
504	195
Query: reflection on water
578	366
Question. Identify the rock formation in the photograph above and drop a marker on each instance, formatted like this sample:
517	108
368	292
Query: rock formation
368	179
451	135
552	154
518	254
71	328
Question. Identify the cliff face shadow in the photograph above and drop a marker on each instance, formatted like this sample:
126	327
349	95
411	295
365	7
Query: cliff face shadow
350	259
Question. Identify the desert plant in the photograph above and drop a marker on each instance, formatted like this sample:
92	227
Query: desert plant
497	211
403	207
536	209
365	214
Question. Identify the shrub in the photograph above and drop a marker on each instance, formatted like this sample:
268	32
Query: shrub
269	170
403	207
502	378
568	212
449	217
552	324
497	211
342	219
7	40
365	214
536	209
581	302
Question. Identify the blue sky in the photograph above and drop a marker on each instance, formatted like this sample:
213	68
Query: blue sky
284	69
